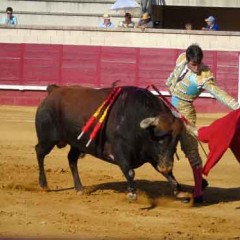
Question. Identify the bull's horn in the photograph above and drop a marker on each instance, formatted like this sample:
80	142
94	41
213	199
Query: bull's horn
147	122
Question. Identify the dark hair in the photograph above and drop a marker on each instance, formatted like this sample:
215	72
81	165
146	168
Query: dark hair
9	9
194	53
128	14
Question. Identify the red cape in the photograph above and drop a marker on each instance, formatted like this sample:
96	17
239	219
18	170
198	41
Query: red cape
222	134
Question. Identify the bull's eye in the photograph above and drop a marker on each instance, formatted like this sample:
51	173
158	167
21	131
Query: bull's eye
158	135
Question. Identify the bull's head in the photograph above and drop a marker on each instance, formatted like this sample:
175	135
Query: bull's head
165	130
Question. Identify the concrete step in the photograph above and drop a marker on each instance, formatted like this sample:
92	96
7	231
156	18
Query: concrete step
65	19
62	12
71	7
82	12
98	6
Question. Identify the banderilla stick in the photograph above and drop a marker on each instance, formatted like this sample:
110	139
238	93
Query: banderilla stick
96	114
102	118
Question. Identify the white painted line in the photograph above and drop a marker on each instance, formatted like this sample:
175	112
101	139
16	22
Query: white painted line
43	88
166	93
23	87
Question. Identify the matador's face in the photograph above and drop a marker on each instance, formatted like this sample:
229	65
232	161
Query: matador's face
194	66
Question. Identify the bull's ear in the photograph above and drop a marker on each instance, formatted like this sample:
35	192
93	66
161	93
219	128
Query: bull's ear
147	122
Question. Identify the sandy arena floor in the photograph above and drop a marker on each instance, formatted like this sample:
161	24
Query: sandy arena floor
103	212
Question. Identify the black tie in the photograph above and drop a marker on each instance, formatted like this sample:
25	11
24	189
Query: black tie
182	76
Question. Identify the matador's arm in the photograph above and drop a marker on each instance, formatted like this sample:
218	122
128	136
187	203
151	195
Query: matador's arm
221	95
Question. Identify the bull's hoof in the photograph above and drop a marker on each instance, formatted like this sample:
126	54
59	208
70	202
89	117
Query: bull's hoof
182	194
184	197
132	196
45	189
80	192
186	200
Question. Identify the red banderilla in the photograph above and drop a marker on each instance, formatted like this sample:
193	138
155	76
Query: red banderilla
169	105
96	114
102	118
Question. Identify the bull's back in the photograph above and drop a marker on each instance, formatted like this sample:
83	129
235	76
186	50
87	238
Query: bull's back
76	103
65	109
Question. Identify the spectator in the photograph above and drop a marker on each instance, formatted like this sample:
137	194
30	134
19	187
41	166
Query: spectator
145	22
127	23
9	19
106	22
188	26
211	24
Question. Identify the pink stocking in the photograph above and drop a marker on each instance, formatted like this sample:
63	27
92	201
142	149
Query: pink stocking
197	173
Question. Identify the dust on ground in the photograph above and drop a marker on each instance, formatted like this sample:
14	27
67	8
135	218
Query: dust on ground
103	211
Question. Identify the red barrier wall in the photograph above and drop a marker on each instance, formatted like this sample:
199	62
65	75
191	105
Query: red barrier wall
96	66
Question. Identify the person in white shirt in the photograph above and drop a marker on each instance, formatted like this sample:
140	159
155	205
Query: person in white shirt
106	22
127	23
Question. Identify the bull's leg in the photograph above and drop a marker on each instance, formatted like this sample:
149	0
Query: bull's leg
177	189
41	152
129	175
171	179
73	156
173	182
122	158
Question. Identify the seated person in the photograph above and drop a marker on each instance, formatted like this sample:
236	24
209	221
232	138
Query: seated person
211	24
127	23
9	19
106	23
145	22
188	26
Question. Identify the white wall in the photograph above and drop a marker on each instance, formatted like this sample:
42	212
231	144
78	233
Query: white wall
151	38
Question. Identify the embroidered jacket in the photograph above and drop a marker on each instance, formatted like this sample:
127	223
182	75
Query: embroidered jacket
192	85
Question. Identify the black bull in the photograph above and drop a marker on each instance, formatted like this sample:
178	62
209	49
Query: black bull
139	128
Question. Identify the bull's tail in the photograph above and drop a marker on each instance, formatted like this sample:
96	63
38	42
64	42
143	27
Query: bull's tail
51	87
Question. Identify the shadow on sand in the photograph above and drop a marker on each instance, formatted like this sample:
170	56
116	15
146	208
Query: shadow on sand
160	189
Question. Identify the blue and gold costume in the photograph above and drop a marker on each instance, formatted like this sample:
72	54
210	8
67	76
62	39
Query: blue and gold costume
185	86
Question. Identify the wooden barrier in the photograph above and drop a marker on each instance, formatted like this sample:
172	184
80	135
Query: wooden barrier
30	61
